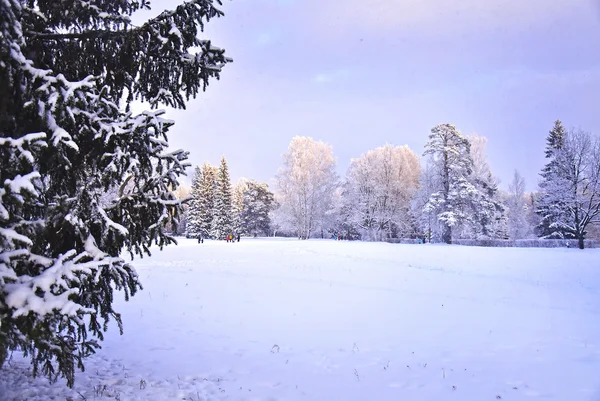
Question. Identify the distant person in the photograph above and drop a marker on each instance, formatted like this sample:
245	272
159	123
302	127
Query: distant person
239	237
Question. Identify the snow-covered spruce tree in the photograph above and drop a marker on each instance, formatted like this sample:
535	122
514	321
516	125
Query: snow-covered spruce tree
452	164
222	223
549	210
256	207
194	205
68	72
237	205
206	199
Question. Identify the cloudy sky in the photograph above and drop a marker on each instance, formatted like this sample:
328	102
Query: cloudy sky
361	73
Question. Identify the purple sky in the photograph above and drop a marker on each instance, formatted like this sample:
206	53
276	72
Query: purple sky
359	73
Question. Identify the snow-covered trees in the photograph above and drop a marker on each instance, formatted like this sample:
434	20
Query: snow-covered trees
222	222
487	208
516	202
466	199
571	191
237	204
306	183
256	205
194	210
550	210
452	164
68	72
425	218
379	189
206	199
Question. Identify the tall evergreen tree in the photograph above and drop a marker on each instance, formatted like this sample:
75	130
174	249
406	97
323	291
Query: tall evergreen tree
206	200
257	204
555	141
222	223
237	205
452	164
550	210
69	71
194	205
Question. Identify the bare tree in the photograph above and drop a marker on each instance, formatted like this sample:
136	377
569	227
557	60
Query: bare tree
518	226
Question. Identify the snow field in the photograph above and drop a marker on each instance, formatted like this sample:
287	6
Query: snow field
267	319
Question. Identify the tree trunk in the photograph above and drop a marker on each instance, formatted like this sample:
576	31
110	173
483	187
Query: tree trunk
447	234
580	242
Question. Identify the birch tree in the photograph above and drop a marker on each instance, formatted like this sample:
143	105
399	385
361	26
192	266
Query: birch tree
305	184
381	184
518	226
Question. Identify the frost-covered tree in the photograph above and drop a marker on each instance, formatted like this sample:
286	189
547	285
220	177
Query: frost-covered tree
380	186
518	224
549	212
257	204
452	165
424	217
237	204
222	222
194	205
206	199
571	193
487	210
68	73
305	183
343	215
533	218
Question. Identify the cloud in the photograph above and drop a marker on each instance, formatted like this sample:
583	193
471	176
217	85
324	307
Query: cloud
331	76
264	39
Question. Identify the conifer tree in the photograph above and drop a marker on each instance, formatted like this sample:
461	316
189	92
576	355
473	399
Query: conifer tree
237	193
257	204
550	210
194	205
452	164
82	177
222	223
206	200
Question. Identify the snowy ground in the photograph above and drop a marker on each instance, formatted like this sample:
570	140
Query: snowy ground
324	320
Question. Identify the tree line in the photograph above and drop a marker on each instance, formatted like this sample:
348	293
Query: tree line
388	192
217	209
